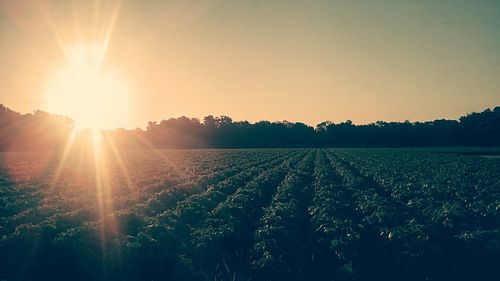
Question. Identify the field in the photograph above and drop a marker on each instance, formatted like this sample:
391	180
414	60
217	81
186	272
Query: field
270	214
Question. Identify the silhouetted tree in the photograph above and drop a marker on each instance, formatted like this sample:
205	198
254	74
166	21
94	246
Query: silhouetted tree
37	131
41	130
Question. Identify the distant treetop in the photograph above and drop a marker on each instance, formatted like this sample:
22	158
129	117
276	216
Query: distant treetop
42	130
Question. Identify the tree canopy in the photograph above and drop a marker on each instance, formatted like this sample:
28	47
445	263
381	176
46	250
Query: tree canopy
42	130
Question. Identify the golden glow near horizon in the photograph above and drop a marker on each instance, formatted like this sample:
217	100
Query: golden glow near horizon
94	98
110	64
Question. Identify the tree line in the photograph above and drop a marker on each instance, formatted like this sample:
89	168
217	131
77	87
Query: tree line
34	131
42	130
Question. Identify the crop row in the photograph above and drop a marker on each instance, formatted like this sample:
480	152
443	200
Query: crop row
303	214
208	218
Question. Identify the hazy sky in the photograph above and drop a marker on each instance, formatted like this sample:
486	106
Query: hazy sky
306	61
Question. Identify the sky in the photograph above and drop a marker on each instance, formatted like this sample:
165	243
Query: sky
306	61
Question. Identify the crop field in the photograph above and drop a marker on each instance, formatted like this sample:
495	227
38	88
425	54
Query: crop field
252	214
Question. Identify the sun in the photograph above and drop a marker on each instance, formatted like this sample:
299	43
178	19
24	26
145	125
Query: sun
95	97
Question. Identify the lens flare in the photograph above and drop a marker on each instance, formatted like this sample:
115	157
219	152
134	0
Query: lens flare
84	87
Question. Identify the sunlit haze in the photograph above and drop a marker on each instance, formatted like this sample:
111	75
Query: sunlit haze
109	64
249	140
92	97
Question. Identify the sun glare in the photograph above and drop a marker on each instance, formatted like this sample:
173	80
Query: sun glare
96	137
94	97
